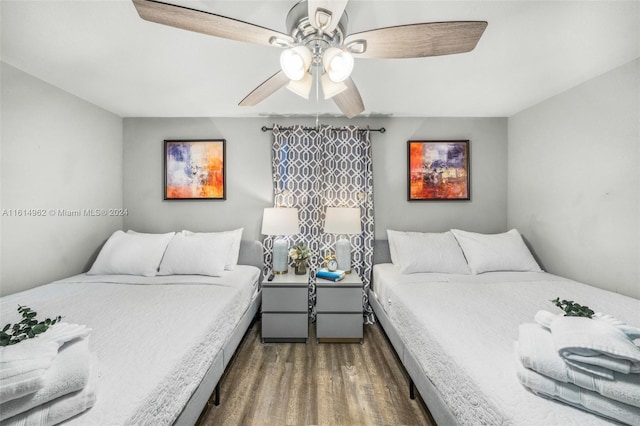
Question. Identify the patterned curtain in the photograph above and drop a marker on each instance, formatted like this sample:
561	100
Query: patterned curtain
315	169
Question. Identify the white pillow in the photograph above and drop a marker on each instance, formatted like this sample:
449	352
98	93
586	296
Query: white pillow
195	255
496	252
131	254
233	251
426	252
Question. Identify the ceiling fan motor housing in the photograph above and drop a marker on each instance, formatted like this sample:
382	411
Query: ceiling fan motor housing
305	34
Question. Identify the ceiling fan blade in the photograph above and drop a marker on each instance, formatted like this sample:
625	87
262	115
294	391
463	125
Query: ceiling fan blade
349	101
325	14
417	40
208	23
266	89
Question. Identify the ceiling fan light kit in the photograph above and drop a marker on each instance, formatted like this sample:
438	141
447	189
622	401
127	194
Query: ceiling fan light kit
295	62
331	88
337	64
301	87
317	39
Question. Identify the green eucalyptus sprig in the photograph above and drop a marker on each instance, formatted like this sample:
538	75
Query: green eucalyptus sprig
572	309
28	328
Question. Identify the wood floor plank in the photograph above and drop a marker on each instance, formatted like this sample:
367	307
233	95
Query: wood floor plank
316	384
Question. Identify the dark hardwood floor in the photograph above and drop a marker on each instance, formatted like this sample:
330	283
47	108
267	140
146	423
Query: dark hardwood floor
316	384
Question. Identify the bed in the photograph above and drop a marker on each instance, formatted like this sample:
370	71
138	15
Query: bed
455	334
162	342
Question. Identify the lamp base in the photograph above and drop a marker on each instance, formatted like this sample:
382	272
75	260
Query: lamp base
343	255
280	256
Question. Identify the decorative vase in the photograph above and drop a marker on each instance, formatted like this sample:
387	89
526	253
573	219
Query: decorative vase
301	267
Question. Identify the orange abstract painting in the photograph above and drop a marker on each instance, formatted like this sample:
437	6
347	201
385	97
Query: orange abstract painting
194	169
438	170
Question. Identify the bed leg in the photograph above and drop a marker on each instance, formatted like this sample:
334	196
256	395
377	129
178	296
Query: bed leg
216	399
412	390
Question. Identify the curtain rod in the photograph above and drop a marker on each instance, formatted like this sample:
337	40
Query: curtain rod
381	129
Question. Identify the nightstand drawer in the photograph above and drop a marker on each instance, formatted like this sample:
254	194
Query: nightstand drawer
334	299
282	326
285	299
339	326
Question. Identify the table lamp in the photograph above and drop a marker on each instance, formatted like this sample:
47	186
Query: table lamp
280	221
343	221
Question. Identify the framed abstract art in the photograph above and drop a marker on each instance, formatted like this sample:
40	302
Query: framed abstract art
194	169
438	170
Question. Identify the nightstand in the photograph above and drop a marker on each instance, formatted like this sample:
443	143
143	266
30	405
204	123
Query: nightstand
285	302
339	309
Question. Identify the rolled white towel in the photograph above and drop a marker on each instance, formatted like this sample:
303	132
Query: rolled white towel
537	352
573	395
545	318
63	408
23	365
69	372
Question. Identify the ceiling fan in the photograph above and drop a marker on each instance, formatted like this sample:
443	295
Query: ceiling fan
317	39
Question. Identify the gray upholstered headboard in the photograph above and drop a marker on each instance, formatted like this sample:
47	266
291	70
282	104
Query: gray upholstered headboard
381	252
251	254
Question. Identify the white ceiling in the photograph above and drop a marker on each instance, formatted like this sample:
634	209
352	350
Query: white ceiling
103	52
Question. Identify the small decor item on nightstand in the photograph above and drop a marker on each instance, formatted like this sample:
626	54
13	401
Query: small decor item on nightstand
300	253
330	262
330	275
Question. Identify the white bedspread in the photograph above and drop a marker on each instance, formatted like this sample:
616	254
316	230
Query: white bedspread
154	337
462	330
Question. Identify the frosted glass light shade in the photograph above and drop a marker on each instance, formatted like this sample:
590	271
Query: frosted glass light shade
337	63
301	87
295	62
331	88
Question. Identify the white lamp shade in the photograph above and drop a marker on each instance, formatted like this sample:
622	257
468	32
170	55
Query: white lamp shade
337	63
295	62
342	220
331	88
301	87
280	221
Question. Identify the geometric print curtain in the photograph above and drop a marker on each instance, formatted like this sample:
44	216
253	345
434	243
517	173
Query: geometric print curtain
318	168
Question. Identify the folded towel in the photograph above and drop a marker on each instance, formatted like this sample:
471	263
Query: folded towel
545	318
595	343
631	332
63	408
576	397
23	365
537	352
69	372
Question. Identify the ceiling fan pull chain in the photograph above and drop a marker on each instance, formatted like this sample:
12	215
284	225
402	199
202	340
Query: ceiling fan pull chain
317	76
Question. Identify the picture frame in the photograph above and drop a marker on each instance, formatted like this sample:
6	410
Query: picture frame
438	170
195	169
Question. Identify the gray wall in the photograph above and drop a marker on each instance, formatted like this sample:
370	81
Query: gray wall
249	184
58	152
574	180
